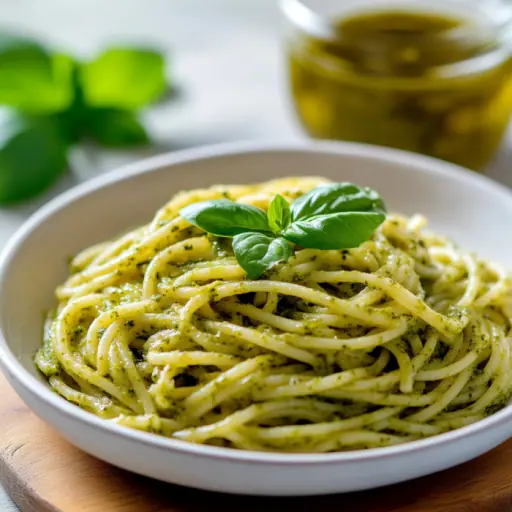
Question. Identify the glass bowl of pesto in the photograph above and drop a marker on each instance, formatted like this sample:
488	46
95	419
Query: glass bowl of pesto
432	77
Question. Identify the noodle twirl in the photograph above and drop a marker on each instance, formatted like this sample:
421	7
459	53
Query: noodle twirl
403	337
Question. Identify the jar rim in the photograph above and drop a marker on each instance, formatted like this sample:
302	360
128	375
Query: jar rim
321	26
312	22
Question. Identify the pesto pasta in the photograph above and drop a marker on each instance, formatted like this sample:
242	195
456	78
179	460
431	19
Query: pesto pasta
403	337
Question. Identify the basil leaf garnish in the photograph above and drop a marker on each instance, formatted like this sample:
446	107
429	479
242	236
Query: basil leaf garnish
332	216
257	252
336	198
279	214
225	218
342	230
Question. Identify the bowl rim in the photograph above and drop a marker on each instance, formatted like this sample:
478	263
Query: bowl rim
14	369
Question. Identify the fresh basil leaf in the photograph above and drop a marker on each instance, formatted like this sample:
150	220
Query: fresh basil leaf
336	198
24	49
125	78
116	128
57	94
33	154
22	62
257	252
279	215
31	78
225	218
334	231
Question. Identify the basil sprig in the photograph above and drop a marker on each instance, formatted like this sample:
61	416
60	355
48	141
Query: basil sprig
332	216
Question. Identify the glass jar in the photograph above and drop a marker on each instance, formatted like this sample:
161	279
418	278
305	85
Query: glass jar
428	76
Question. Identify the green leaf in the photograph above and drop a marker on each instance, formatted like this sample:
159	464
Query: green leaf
225	218
33	154
57	94
24	64
24	48
125	78
31	78
279	215
116	128
257	252
336	198
342	230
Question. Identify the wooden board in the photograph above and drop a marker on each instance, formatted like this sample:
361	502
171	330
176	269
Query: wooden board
44	473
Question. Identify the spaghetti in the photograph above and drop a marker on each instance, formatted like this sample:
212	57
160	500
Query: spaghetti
404	337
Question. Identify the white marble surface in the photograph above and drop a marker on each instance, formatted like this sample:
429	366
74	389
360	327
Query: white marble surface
226	64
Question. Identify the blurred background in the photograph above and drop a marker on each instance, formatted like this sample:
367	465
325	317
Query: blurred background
130	79
223	66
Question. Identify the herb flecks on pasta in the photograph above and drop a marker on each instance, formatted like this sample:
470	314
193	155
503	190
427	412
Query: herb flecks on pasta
403	337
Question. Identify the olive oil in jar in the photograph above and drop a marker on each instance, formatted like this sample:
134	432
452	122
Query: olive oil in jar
426	82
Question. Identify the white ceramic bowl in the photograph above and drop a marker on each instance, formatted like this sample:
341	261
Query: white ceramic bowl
474	210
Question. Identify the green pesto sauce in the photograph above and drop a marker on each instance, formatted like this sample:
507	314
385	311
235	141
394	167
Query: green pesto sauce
388	78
